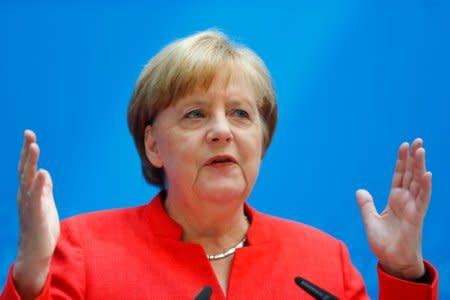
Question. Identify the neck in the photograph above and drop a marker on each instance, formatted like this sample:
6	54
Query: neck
215	228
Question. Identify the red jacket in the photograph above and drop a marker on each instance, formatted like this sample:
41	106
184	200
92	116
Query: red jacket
137	253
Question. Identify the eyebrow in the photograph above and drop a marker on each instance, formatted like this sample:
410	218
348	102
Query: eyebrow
234	101
203	101
194	102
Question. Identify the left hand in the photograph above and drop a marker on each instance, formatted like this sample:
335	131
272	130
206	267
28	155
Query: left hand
395	235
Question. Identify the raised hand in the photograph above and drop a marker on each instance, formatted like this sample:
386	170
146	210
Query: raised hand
39	222
395	235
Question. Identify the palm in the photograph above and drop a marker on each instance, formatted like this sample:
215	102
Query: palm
395	235
39	222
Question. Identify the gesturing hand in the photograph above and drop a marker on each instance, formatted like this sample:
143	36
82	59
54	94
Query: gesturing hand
395	235
39	222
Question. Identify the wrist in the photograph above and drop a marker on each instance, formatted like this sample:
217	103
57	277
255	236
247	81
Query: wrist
411	273
29	278
425	278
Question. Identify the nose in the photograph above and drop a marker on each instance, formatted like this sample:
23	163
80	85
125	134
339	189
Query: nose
219	131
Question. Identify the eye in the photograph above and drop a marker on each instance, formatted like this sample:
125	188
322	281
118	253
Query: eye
240	113
194	114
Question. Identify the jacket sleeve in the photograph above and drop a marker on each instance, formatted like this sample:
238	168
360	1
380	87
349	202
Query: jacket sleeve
395	288
66	279
390	287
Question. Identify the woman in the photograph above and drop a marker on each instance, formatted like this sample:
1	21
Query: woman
202	115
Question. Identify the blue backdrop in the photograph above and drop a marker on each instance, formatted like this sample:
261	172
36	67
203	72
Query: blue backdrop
354	79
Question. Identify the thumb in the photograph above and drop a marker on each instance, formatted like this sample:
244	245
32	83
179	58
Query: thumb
366	205
48	183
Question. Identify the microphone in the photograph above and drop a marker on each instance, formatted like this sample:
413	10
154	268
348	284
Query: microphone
204	294
315	291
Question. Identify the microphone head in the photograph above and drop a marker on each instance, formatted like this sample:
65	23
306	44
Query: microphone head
204	294
313	290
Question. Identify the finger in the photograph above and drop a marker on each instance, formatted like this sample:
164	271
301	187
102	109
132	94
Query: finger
30	168
417	143
37	187
28	138
409	168
28	204
423	200
419	170
400	165
48	185
366	206
42	185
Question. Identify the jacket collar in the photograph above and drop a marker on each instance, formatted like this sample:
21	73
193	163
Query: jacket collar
162	225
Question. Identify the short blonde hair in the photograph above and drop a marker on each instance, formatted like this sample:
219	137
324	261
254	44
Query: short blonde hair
187	64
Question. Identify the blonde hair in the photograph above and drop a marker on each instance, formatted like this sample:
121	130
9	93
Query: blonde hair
187	64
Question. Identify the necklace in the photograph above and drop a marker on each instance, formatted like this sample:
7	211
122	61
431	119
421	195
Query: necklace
227	252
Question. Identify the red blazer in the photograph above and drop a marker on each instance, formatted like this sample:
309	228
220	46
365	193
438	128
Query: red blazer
137	253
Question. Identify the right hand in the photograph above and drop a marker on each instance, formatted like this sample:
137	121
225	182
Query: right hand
39	222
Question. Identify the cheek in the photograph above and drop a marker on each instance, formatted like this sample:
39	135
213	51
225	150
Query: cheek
258	141
255	163
253	153
178	155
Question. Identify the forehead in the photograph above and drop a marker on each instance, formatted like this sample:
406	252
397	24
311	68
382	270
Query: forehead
230	83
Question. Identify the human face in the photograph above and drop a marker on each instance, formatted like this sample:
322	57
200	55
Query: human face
209	142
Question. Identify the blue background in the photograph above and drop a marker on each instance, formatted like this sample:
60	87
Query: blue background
354	79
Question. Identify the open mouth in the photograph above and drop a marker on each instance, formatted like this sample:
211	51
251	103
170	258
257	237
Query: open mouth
221	160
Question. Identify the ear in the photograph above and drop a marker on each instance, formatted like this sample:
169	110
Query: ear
151	148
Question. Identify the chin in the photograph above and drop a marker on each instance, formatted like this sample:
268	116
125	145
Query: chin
224	194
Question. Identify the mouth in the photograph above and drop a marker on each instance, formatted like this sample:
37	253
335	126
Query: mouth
221	160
